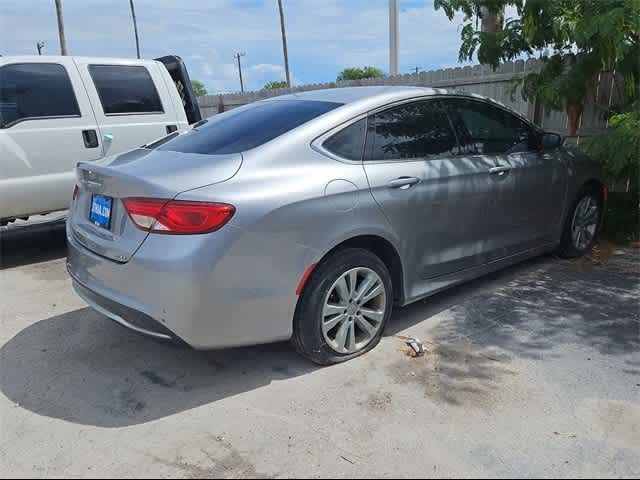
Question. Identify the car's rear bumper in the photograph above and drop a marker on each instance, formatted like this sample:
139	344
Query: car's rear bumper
124	316
210	291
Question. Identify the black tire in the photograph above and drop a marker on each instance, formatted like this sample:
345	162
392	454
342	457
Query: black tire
567	247
308	339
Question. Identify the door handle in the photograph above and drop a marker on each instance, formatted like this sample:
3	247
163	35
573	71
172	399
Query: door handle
171	129
90	138
403	182
499	170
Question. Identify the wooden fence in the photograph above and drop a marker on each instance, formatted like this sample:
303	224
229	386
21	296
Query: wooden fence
501	85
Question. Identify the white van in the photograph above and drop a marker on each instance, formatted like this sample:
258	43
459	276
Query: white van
57	111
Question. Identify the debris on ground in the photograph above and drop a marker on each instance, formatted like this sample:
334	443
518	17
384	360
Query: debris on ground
416	347
607	256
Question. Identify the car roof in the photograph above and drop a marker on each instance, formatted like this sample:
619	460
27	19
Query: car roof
372	96
352	94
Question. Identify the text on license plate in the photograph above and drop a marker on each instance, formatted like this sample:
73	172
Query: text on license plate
101	211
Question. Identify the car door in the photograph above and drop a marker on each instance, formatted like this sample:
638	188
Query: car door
131	103
540	184
539	179
526	185
46	126
433	196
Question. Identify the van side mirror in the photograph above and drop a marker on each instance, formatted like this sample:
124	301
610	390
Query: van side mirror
107	140
551	140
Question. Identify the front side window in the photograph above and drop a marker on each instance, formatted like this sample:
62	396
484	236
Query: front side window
414	130
125	89
486	129
348	142
31	91
247	127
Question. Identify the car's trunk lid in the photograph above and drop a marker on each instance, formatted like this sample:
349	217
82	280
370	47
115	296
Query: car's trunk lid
140	173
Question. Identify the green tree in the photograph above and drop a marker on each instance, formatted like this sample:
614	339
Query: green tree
198	88
356	73
618	147
275	85
575	40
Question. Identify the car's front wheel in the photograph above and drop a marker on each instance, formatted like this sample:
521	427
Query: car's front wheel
343	308
582	223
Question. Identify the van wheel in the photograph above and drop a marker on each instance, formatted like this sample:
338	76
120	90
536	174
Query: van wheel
581	225
344	307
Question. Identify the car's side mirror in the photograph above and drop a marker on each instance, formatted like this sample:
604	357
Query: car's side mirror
551	140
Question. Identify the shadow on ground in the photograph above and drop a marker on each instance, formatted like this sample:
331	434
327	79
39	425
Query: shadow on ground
83	369
530	312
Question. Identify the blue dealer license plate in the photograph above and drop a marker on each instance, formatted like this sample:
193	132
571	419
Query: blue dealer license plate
101	211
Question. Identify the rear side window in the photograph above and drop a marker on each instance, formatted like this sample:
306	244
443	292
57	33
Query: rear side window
125	90
485	129
31	91
248	127
348	142
414	130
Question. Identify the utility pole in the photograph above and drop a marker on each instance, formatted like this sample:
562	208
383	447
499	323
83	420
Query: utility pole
237	56
63	40
284	43
393	37
40	46
135	27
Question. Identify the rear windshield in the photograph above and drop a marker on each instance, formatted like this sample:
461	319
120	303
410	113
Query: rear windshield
248	127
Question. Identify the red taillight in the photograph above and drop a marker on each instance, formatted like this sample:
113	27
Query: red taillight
177	217
75	192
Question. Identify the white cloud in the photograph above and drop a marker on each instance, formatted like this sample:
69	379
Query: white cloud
324	36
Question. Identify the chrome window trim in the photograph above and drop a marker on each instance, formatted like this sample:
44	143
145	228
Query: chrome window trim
317	143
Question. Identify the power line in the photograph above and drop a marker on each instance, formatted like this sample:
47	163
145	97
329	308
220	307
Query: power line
237	57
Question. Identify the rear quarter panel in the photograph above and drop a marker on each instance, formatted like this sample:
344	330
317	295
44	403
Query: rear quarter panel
293	205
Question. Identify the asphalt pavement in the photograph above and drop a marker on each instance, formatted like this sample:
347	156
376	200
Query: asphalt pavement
530	372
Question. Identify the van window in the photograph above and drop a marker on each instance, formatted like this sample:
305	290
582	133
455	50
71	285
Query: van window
125	89
30	91
247	127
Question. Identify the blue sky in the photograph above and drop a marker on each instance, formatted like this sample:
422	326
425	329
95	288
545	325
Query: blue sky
324	36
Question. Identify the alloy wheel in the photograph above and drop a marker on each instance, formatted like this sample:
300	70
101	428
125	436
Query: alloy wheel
354	310
585	222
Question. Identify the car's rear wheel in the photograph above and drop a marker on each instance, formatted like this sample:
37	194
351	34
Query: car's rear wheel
343	308
582	223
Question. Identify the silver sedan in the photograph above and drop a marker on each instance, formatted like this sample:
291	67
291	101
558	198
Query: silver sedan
307	217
